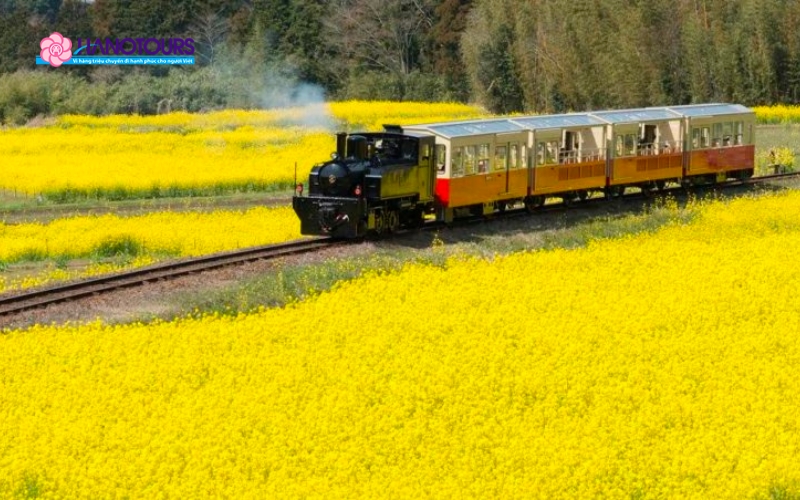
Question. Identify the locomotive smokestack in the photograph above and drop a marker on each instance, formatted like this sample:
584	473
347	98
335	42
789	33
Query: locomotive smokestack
341	144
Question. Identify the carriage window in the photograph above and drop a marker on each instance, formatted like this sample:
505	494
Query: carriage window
547	153
705	137
457	162
630	144
469	160
441	155
695	138
483	158
717	140
523	156
739	133
500	157
727	134
513	156
626	144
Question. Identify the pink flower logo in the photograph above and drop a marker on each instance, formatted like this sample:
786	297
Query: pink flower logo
56	49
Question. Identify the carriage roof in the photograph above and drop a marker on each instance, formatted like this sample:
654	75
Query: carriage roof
467	128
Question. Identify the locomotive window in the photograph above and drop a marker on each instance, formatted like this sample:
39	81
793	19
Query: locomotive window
457	162
483	157
441	157
500	157
469	160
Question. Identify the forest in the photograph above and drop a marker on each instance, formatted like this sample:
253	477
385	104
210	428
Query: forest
507	55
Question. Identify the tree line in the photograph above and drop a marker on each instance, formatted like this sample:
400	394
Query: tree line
508	55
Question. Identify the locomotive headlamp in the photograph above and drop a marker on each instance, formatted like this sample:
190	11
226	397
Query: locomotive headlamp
358	190
299	189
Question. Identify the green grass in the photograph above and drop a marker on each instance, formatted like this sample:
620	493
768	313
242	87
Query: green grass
775	137
17	209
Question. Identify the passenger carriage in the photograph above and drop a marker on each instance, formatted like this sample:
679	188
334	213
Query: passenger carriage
485	164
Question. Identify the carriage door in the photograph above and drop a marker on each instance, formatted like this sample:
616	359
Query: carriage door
501	155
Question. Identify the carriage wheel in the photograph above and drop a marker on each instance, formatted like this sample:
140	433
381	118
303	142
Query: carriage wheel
614	192
583	195
661	185
533	202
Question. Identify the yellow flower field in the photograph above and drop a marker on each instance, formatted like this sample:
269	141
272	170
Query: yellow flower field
653	366
778	113
148	236
175	233
182	154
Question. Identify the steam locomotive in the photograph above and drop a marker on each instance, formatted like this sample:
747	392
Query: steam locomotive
374	182
379	182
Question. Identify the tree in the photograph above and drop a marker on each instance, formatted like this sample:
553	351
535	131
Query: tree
19	40
377	36
443	45
208	31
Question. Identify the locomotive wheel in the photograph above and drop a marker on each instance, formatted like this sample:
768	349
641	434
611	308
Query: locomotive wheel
392	221
380	223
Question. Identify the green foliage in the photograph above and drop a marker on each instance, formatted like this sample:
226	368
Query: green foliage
30	488
509	55
124	245
612	53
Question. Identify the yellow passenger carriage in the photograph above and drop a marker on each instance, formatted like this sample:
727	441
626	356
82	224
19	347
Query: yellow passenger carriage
720	141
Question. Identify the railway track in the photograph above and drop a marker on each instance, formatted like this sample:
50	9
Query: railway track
94	286
70	291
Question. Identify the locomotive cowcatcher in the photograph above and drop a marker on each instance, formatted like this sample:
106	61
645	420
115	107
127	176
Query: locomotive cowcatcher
375	182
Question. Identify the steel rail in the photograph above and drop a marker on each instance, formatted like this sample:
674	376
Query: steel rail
59	293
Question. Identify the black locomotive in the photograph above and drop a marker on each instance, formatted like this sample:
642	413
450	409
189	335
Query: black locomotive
375	182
